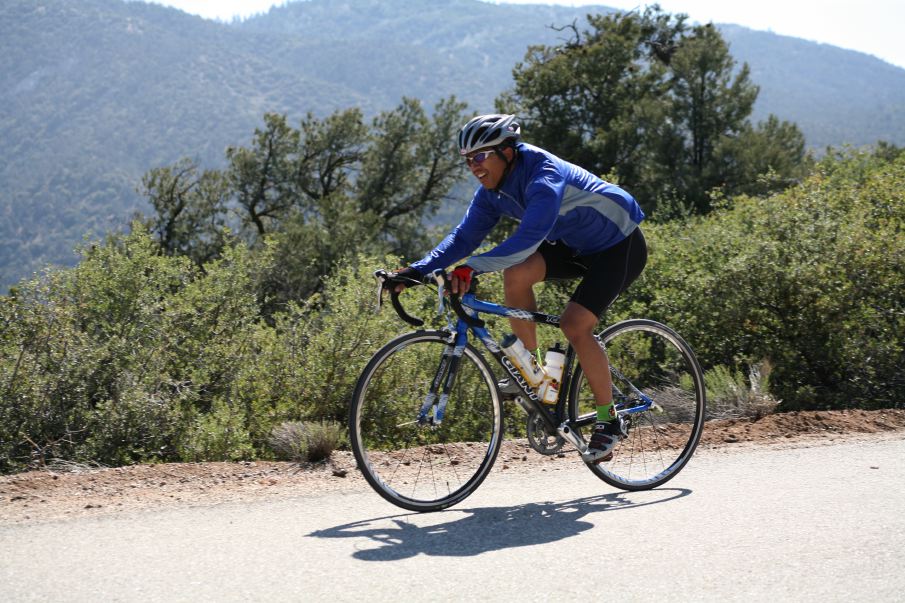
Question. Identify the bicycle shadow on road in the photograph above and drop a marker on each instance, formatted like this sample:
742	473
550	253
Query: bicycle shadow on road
486	529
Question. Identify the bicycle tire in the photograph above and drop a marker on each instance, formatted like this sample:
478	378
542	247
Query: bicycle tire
659	363
420	467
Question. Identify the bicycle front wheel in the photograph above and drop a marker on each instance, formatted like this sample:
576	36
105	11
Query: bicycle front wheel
658	389
418	466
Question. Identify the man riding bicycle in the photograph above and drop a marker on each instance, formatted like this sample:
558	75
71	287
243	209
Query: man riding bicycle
572	224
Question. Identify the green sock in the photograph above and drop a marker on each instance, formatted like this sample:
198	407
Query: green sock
606	413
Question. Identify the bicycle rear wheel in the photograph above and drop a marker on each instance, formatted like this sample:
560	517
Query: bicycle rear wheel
423	467
648	362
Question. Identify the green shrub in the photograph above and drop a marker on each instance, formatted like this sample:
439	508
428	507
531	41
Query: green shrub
219	434
130	356
320	348
812	279
80	356
134	356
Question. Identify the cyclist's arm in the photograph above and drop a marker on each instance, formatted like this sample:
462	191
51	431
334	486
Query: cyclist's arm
544	198
479	220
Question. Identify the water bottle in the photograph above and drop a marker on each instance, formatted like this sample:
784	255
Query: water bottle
523	360
553	367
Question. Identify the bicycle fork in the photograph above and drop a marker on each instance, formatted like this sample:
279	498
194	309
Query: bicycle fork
436	398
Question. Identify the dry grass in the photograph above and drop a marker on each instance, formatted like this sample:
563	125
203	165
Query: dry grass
306	442
732	395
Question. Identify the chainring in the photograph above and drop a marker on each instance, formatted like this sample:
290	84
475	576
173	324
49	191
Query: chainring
541	440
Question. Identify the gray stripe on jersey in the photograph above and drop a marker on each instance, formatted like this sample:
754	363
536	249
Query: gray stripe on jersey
482	263
575	197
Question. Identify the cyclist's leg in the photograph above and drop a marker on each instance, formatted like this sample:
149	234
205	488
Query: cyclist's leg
609	273
518	287
551	261
578	324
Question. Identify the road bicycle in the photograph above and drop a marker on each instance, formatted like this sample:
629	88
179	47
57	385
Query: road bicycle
426	417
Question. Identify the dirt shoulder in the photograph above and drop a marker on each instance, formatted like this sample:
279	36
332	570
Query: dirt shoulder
69	492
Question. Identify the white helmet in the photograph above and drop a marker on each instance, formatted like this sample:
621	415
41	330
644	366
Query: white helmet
487	131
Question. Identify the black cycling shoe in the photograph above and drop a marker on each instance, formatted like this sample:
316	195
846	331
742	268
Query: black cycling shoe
603	441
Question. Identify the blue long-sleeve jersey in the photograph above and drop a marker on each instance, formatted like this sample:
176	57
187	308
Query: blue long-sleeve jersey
553	200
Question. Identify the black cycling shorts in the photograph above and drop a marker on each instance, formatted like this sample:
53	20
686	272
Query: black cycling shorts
604	275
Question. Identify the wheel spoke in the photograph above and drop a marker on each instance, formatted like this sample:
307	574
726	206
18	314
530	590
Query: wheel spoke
424	467
649	359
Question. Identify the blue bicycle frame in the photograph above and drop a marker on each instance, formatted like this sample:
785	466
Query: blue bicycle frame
467	309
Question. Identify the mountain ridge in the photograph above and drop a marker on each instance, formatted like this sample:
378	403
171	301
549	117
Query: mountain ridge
93	93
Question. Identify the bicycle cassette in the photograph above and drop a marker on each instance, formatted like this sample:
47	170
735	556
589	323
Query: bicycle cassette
540	438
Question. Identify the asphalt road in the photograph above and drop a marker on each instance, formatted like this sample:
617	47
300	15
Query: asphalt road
810	524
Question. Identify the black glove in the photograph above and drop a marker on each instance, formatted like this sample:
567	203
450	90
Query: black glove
408	277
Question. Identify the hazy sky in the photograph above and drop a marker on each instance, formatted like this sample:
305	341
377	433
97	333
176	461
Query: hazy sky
871	26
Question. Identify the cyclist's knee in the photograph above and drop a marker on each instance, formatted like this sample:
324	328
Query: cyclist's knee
577	322
525	274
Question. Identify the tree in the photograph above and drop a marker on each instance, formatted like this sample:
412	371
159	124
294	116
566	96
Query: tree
329	152
762	159
190	208
655	104
597	99
313	191
408	169
708	105
261	176
403	166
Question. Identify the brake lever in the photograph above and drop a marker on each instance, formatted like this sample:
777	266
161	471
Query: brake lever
440	279
455	302
381	276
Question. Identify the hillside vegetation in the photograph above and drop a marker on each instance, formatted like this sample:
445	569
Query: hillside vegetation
93	93
136	356
242	301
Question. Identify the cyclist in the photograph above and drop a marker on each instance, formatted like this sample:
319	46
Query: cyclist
572	224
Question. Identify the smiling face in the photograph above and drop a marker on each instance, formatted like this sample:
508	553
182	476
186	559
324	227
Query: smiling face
489	172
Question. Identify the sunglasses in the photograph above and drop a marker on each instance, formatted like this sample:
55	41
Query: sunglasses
479	157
